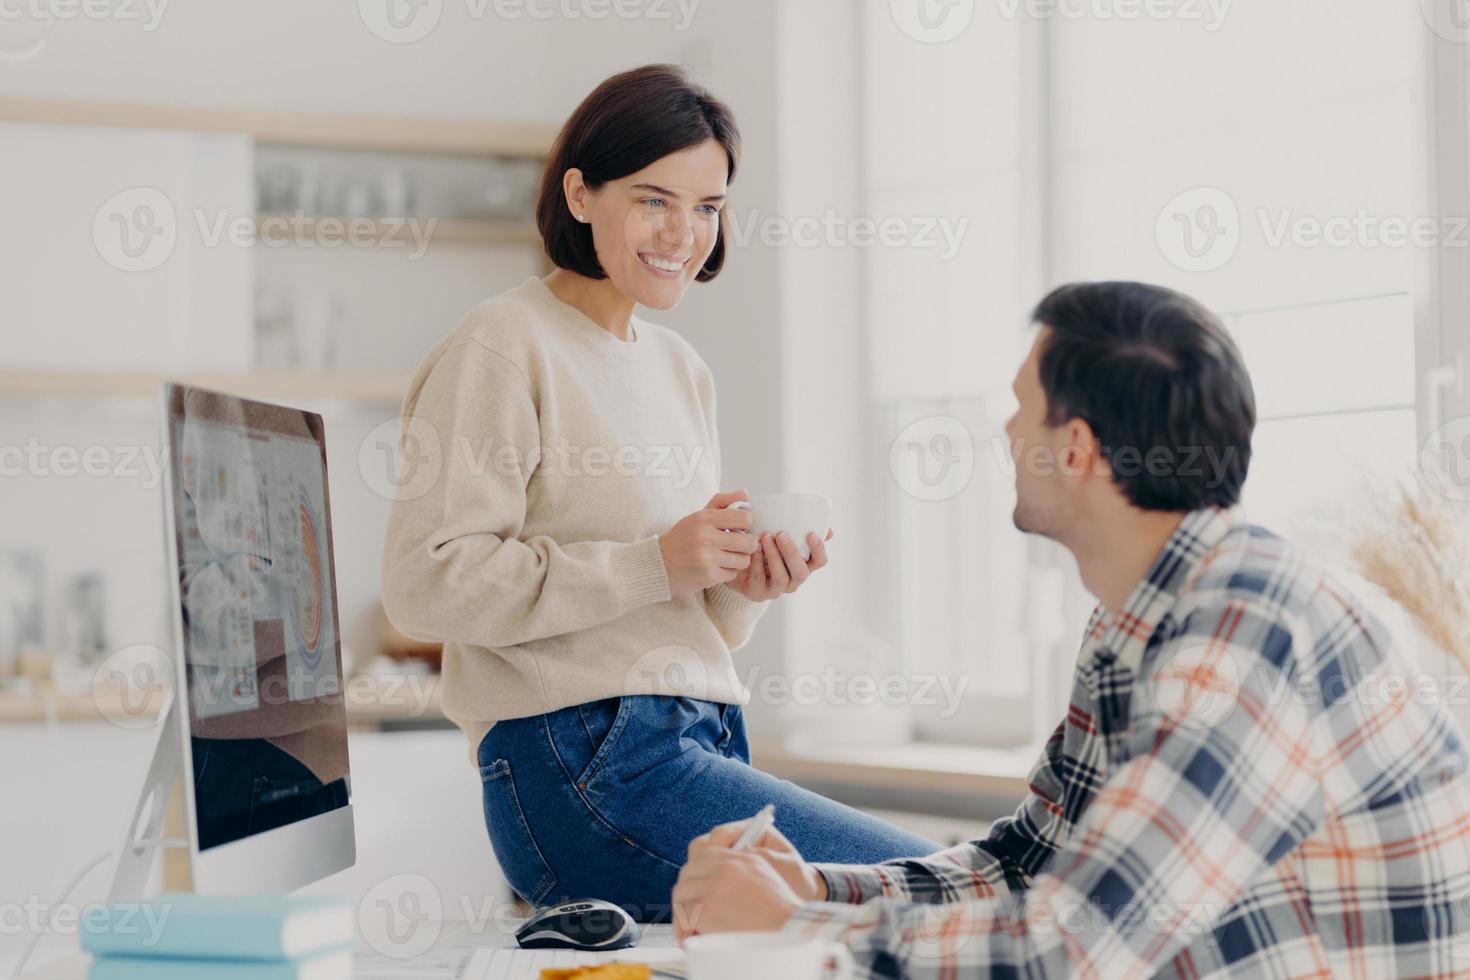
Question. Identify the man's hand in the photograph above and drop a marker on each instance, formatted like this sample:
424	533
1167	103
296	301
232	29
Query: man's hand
721	890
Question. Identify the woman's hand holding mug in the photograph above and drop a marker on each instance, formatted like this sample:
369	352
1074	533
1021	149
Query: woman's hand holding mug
783	563
715	545
698	552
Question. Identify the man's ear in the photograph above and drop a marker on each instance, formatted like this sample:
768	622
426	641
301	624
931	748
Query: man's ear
1102	464
1081	453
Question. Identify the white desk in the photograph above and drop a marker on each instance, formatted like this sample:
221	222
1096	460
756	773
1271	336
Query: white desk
452	948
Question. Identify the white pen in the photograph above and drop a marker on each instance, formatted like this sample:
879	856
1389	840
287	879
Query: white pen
759	824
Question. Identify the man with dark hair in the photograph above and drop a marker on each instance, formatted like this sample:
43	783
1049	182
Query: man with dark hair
1243	785
1150	369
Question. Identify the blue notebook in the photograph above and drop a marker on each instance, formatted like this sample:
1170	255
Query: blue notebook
248	927
327	966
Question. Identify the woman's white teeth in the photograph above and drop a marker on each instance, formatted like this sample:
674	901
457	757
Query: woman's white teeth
664	265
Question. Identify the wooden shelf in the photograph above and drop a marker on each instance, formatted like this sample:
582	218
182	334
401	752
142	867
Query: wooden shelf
455	231
405	133
385	388
373	702
106	703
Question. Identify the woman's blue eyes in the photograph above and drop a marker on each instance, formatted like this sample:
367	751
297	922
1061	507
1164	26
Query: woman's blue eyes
658	202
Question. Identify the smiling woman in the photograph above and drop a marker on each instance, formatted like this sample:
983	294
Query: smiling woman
588	613
633	194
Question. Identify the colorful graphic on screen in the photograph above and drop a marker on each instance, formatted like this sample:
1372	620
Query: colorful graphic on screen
309	594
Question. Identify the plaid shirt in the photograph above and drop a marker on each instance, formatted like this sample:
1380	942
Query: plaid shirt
1248	783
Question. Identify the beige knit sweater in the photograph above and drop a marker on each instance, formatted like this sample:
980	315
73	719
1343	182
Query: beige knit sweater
544	457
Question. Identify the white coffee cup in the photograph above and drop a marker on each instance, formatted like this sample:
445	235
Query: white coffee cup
766	956
798	514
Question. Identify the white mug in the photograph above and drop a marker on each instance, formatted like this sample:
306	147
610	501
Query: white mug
768	955
798	514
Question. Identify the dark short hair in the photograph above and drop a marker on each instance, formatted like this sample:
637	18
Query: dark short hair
625	124
1161	383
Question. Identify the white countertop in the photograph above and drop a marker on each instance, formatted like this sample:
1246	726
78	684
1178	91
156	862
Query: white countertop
450	951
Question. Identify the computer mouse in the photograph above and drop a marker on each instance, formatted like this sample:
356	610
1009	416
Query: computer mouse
588	923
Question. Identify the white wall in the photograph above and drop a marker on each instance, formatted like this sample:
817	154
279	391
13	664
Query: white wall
75	299
1272	136
824	358
1308	108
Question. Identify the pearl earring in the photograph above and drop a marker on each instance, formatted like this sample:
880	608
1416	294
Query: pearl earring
581	217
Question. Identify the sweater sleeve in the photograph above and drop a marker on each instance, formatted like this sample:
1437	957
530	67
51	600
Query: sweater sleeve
733	615
455	567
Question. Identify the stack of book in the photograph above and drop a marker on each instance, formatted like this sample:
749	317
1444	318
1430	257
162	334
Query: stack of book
178	936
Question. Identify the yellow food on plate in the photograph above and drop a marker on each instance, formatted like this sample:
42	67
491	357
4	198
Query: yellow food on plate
603	971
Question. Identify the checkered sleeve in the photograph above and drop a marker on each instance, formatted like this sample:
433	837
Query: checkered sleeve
1220	780
1001	864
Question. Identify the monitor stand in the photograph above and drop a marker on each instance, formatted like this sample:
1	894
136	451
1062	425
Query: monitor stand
159	824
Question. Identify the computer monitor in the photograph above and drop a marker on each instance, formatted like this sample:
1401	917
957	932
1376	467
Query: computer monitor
256	734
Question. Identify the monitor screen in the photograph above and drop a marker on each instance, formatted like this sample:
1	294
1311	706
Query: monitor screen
257	585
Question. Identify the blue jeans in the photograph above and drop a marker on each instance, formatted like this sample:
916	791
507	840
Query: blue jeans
601	800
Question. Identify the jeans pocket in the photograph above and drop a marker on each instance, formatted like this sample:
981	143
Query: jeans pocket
733	744
626	705
520	858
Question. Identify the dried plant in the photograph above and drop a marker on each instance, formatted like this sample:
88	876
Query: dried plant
1415	545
